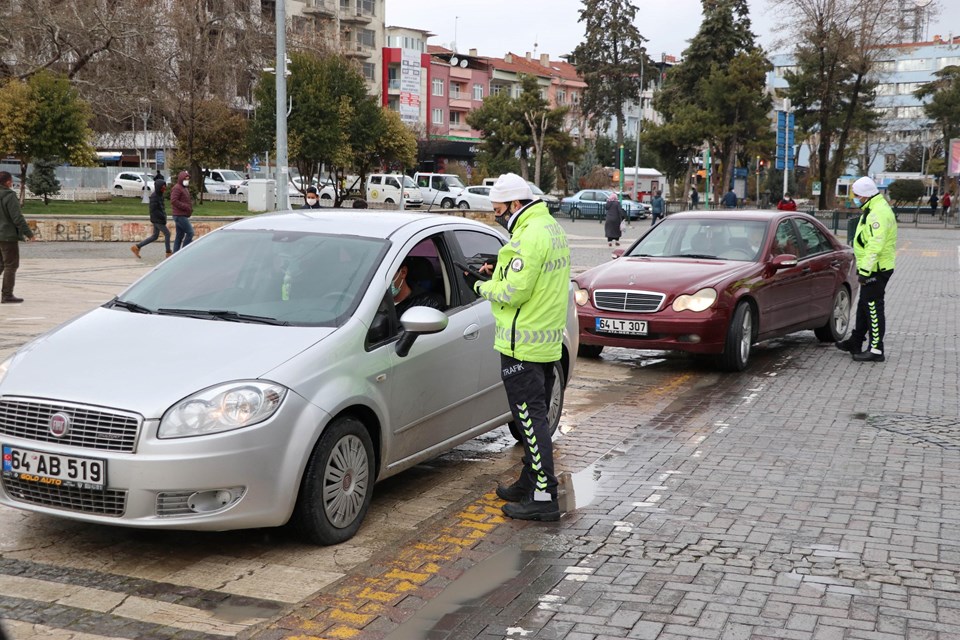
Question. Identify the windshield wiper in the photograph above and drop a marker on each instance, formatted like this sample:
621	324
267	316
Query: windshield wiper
132	307
702	256
229	316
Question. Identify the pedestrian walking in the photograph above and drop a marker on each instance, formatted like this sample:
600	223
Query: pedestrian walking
934	203
528	293
158	218
658	208
946	204
694	198
875	248
182	205
729	200
13	229
615	217
787	203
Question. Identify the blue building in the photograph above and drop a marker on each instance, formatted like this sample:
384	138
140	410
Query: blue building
900	70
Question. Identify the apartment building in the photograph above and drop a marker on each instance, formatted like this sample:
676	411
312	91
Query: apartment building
406	66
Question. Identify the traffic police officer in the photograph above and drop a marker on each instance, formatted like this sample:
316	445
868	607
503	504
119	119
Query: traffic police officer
529	293
875	247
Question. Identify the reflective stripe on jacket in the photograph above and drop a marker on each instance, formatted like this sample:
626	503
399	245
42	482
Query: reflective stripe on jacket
530	288
875	245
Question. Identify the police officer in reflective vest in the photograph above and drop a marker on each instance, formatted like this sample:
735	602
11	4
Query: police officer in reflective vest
529	293
875	247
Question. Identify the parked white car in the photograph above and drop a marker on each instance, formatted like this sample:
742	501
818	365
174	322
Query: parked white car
385	188
212	186
232	179
475	198
440	189
132	182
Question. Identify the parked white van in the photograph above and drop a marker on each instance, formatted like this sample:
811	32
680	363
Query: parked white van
386	188
439	188
226	178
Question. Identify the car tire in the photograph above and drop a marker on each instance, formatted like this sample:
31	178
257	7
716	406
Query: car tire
446	203
589	350
389	201
325	197
242	197
836	327
464	205
554	406
118	187
736	348
327	512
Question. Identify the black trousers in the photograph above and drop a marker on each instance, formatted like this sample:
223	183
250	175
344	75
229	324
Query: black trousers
528	386
9	263
871	320
157	230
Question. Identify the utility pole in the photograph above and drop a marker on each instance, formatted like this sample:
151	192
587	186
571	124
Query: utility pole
283	169
636	159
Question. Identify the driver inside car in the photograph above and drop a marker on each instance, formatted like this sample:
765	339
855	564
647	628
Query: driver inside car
411	286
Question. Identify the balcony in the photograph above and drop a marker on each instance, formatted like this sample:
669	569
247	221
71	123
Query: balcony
461	100
393	85
458	73
322	8
357	50
356	17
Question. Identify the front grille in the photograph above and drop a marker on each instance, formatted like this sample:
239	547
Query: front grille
90	427
174	503
109	502
630	301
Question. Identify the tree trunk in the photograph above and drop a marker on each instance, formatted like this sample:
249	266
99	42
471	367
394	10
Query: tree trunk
23	182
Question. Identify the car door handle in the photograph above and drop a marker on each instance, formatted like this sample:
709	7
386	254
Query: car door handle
472	332
834	263
806	270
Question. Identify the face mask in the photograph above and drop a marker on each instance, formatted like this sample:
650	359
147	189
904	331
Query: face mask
857	202
186	183
311	201
395	287
504	219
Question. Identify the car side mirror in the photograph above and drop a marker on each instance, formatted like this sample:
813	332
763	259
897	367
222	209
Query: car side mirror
784	261
417	321
617	253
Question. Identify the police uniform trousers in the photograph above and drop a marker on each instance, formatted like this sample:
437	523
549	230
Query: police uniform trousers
871	322
528	386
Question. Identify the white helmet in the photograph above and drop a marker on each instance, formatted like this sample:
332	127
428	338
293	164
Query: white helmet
510	187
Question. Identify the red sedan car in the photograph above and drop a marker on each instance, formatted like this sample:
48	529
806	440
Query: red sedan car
716	282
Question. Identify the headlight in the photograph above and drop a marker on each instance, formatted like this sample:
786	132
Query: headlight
699	301
222	408
4	367
581	297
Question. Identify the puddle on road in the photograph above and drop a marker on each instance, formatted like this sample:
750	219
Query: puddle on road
579	489
476	583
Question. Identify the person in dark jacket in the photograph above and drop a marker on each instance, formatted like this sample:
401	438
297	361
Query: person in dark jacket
13	229
934	202
729	199
158	217
658	208
182	204
312	200
615	215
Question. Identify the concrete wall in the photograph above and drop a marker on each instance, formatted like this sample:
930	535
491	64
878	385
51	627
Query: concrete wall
109	228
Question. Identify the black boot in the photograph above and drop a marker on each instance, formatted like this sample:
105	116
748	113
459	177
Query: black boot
868	356
512	493
11	299
849	345
544	511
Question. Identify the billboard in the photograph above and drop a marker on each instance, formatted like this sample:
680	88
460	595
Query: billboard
953	157
410	74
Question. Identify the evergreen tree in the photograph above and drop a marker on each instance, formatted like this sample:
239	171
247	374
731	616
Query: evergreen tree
944	105
43	179
610	59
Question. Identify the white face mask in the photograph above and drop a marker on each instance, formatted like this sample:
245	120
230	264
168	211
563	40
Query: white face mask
311	201
186	183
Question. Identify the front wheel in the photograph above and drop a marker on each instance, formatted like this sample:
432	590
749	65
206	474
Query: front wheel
736	349
446	203
554	405
836	327
337	484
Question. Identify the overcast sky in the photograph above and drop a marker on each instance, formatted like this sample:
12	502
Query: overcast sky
494	27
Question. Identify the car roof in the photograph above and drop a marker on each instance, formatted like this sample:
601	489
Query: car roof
733	214
353	222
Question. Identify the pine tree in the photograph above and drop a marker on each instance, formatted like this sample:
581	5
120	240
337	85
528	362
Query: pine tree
43	179
610	59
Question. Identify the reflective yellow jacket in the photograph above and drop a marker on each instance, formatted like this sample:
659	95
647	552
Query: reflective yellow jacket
530	287
875	243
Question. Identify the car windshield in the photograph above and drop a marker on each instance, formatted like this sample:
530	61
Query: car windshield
274	277
408	182
454	183
231	175
708	238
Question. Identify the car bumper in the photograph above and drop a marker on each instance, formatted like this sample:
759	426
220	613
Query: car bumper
667	330
155	486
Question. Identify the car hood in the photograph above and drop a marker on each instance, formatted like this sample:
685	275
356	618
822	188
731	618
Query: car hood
145	363
666	275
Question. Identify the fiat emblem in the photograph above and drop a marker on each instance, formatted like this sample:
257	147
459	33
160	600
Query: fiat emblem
59	424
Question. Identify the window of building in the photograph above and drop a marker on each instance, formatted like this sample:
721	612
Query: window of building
561	96
918	64
884	66
886	89
455	90
495	89
345	4
438	116
438	86
370	71
946	62
455	118
478	92
367	38
574	97
393	103
889	162
910	112
781	72
366	7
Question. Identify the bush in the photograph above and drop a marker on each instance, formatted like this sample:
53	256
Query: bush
903	192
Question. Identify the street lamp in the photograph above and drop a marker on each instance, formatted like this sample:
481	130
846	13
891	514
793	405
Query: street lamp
636	158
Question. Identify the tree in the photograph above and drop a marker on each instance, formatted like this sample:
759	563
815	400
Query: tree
43	179
44	118
944	105
541	120
610	59
904	192
838	42
503	128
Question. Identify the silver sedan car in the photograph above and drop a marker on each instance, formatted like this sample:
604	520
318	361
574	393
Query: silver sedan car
259	377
